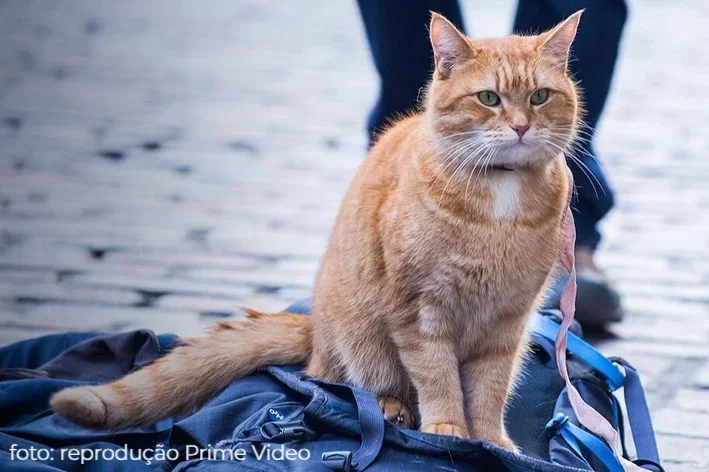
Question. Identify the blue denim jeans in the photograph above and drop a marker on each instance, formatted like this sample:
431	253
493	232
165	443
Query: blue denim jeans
398	38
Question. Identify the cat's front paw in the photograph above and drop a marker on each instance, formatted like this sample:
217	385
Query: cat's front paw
445	429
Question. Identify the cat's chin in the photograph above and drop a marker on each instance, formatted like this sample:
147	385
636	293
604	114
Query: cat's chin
521	156
503	167
516	151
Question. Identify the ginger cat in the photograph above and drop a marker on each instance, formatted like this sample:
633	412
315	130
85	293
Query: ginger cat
437	259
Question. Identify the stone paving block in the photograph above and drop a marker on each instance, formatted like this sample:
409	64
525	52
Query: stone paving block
9	335
695	399
683	292
264	277
701	377
40	293
691	424
687	466
677	450
652	347
180	260
205	306
660	307
662	328
159	285
23	276
58	317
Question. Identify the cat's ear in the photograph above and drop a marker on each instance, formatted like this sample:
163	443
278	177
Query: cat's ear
450	47
557	42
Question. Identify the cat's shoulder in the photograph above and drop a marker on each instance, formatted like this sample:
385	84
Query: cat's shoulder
400	130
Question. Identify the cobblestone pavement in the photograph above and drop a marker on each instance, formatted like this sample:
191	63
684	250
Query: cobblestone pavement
162	163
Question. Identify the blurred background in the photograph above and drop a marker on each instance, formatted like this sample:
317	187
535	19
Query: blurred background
163	162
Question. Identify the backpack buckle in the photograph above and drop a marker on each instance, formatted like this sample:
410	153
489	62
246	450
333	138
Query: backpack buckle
556	423
286	432
338	461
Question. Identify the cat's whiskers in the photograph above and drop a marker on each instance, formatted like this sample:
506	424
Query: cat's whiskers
472	145
492	151
488	160
581	131
576	145
462	164
483	152
453	149
570	152
446	143
452	177
450	158
442	146
471	148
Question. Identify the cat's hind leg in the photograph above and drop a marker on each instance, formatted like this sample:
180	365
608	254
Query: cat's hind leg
371	362
323	366
396	411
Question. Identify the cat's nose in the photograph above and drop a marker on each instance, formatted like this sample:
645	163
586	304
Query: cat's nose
520	129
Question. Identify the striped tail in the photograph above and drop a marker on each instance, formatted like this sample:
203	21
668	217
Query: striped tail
191	374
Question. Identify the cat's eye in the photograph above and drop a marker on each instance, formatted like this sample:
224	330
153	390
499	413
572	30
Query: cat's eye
488	98
539	96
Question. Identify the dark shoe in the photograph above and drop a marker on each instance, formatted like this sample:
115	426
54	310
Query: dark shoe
597	302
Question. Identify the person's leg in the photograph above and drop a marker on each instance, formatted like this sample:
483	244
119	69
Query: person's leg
594	52
397	32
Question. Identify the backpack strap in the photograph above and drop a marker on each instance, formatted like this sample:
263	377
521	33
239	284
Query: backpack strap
586	415
573	435
639	415
546	327
635	402
371	421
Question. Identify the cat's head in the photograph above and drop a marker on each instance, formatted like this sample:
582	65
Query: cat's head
505	102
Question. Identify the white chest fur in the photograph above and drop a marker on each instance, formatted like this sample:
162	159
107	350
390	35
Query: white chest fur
505	190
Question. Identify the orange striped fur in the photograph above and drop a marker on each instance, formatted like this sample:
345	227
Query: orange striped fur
439	254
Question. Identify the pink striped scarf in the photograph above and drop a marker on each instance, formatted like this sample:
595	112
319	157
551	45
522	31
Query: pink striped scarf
587	416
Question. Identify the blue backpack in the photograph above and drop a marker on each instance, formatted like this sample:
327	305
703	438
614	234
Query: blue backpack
280	419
